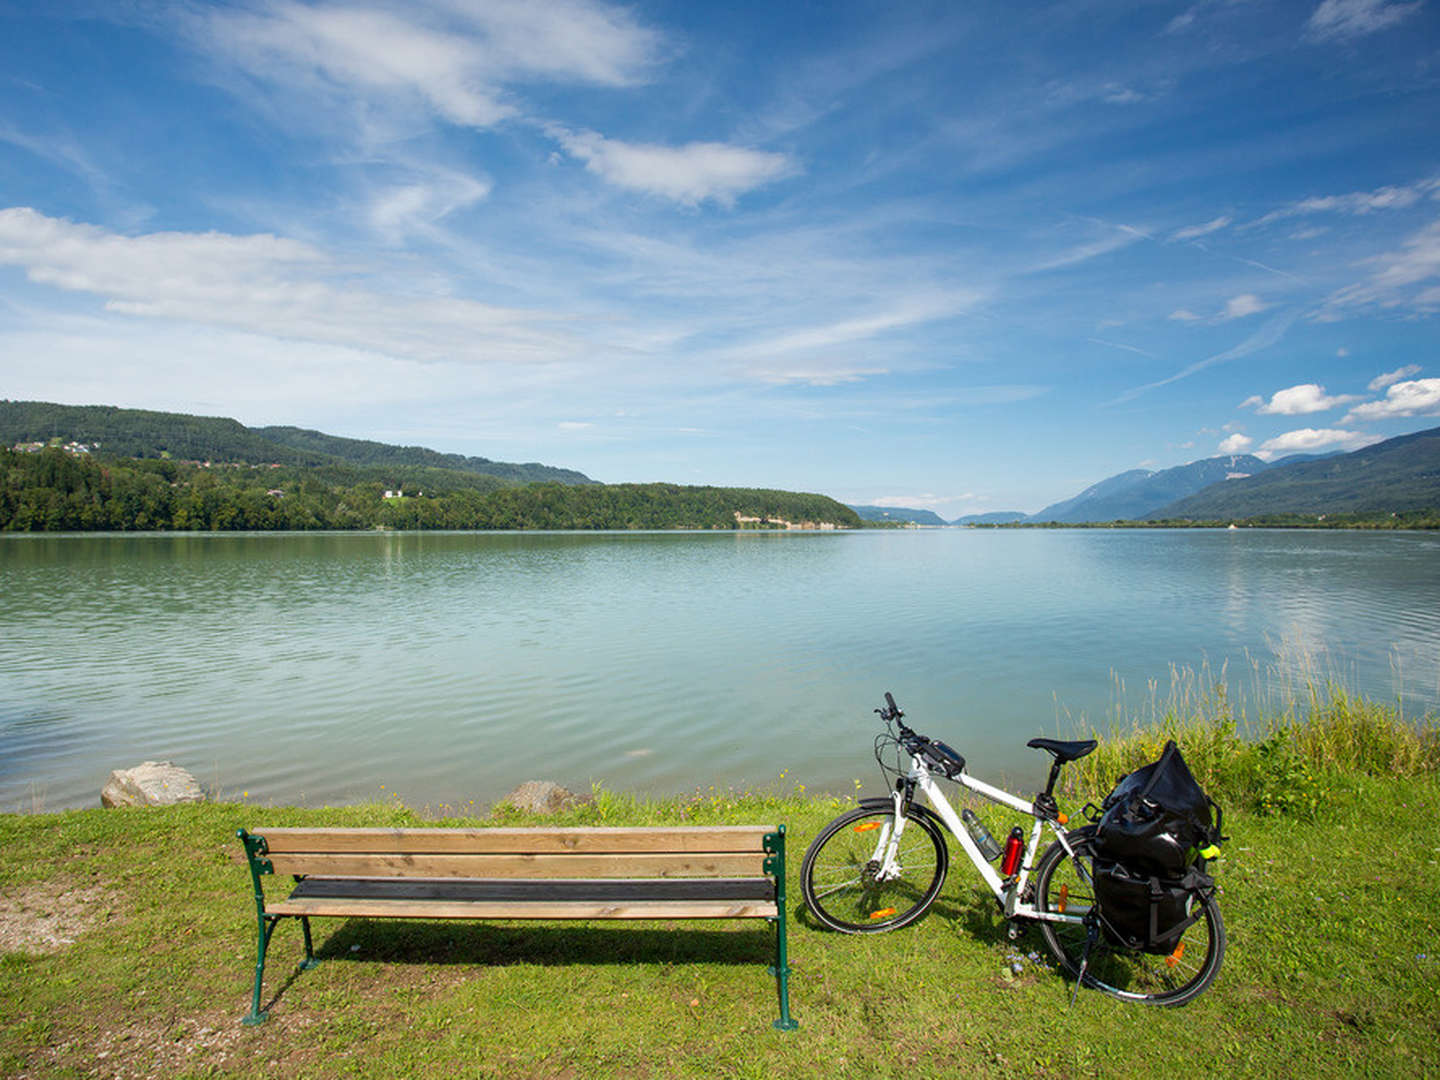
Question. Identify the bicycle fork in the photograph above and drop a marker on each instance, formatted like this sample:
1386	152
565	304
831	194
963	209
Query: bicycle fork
886	859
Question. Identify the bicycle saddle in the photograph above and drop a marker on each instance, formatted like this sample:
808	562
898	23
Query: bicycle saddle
1064	751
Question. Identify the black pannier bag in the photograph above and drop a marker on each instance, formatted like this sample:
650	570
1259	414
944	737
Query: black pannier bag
1157	818
1149	886
1148	913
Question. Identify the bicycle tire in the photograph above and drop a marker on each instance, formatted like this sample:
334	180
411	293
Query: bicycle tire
1123	973
838	874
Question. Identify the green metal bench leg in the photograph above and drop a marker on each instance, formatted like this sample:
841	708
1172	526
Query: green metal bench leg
267	927
309	961
775	846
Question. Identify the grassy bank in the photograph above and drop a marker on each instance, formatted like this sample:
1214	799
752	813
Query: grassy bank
127	941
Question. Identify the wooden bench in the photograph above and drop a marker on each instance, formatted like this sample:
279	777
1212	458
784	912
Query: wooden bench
724	872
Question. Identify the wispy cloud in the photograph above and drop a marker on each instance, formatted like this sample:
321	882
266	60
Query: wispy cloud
1262	339
1395	275
1344	19
1298	401
689	174
1122	345
1418	398
1381	381
1391	197
461	60
268	285
1194	232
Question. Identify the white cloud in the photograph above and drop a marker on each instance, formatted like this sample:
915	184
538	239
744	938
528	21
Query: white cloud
1298	401
268	285
1381	381
1195	231
1418	398
459	59
1312	440
1339	19
1240	307
1183	315
1236	444
688	174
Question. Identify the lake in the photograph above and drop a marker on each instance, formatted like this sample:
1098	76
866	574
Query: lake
448	667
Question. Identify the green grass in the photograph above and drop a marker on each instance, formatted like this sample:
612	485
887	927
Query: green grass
1333	968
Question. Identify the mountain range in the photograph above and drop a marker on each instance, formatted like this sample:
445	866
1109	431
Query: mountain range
898	514
1396	475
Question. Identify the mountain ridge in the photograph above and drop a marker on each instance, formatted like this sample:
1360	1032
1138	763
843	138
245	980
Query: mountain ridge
150	433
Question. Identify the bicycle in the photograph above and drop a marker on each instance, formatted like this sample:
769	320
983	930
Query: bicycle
880	867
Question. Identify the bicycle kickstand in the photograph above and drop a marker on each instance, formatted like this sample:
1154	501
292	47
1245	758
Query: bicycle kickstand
1090	935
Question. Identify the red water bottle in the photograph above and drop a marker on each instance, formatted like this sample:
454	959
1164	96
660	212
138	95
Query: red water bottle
1014	847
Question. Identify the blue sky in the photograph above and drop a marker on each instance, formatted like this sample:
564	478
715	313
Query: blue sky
965	257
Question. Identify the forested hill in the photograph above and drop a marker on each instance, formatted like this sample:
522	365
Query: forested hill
142	433
55	491
1394	476
365	452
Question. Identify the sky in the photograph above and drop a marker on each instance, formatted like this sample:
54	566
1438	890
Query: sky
961	257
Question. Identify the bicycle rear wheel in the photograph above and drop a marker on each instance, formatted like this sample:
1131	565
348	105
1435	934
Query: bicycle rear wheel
1064	884
844	880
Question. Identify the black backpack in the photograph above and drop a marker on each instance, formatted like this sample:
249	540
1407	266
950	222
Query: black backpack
1149	879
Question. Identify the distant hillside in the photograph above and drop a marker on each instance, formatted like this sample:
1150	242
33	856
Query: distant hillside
898	514
1393	476
364	452
1139	492
998	517
142	433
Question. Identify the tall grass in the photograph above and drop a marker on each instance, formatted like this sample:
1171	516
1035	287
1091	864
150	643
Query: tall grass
1285	758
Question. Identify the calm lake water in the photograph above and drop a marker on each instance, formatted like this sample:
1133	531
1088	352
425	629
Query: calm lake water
449	667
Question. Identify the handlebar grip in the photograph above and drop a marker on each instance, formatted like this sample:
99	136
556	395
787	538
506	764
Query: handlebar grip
894	709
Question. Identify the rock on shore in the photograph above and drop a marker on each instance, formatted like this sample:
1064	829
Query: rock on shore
542	797
151	783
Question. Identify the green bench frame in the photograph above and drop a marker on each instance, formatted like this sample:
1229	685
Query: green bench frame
698	872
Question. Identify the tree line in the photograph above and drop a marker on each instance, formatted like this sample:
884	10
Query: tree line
53	491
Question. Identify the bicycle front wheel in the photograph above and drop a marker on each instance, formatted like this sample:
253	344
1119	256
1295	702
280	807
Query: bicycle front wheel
852	882
1066	885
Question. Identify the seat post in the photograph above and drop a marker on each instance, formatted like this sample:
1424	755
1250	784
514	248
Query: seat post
1054	775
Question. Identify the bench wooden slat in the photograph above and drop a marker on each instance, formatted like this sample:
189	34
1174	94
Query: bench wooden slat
658	865
488	909
467	889
719	838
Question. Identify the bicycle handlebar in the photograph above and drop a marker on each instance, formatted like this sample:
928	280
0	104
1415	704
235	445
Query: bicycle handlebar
935	752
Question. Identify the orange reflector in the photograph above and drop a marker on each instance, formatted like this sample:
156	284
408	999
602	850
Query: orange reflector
868	826
1063	900
883	913
1174	957
1064	819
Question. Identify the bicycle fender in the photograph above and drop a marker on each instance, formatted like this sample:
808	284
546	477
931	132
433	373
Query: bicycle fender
885	802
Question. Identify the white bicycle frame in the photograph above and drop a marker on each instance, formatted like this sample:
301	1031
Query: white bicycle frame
1007	890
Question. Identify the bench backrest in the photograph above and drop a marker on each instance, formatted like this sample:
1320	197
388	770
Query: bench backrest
725	851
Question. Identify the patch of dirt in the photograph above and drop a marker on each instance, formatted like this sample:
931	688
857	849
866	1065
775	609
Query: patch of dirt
160	1047
45	917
